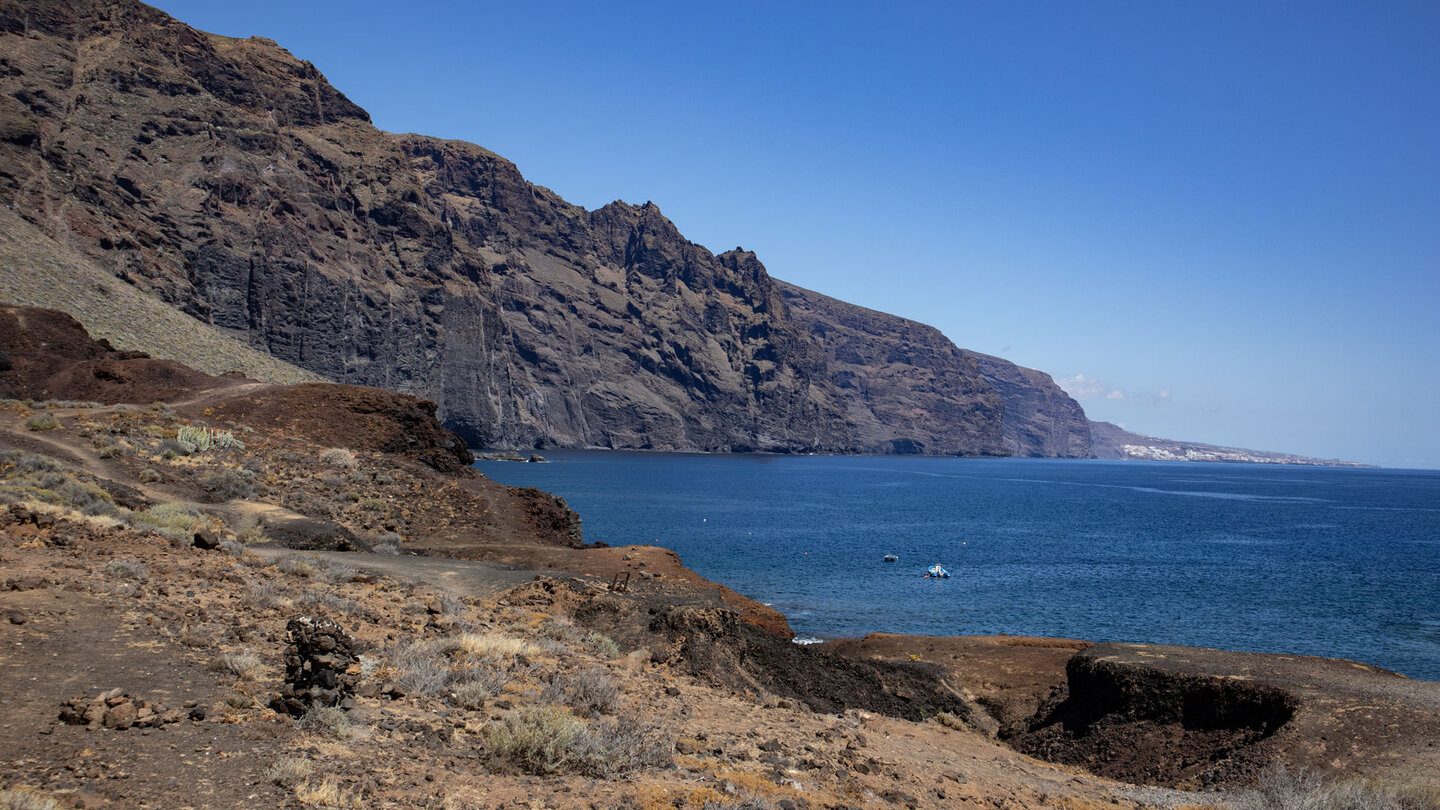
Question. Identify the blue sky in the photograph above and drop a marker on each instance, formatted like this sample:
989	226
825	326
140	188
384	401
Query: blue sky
1210	221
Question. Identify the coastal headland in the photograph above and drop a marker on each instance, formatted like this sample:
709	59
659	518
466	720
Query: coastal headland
224	593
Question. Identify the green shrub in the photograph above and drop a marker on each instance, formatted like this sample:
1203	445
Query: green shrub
43	421
537	739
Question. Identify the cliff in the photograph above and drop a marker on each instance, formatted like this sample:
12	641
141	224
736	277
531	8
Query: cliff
230	180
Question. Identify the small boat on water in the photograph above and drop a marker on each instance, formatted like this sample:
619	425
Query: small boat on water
891	558
937	571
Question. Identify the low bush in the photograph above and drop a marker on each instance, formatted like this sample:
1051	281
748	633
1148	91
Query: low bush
589	692
290	772
25	798
339	457
547	739
245	665
126	569
226	484
328	721
149	476
42	421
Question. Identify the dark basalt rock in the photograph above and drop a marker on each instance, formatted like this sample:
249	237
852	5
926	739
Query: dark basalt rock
318	666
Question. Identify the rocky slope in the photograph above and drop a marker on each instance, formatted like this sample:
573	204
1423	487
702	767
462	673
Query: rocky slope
230	180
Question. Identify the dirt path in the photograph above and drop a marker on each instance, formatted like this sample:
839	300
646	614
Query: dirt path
473	578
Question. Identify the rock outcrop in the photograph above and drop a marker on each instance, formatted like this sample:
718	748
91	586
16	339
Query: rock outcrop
231	180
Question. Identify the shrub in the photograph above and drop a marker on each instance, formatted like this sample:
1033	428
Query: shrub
226	484
326	794
328	721
494	645
126	569
374	505
175	520
245	665
589	692
420	669
546	739
297	566
603	646
113	451
25	798
42	421
538	739
203	439
289	773
149	476
1281	789
170	448
339	457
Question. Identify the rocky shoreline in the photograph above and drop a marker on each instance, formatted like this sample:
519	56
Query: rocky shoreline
329	608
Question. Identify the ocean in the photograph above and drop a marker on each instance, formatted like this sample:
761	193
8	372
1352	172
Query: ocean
1335	562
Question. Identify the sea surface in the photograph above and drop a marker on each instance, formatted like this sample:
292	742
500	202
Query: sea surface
1341	563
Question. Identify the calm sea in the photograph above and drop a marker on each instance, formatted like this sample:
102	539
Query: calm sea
1333	562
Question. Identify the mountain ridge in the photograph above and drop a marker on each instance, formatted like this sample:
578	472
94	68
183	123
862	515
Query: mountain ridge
232	181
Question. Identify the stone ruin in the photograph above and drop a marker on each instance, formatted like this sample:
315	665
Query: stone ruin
320	666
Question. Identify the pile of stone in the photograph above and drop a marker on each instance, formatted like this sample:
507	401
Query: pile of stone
320	666
120	711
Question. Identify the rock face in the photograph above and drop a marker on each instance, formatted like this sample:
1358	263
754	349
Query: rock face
229	179
1040	419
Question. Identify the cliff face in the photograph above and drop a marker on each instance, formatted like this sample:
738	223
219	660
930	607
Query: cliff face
229	179
1040	419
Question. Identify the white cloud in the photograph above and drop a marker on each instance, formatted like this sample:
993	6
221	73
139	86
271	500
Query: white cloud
1085	388
1082	387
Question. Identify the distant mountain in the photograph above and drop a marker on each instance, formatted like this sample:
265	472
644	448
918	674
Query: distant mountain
1111	441
231	181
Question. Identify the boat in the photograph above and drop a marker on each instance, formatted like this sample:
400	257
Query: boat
937	571
891	558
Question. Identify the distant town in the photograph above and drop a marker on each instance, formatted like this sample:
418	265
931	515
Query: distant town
1177	452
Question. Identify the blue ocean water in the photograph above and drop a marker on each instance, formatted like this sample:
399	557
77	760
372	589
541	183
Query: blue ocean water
1318	561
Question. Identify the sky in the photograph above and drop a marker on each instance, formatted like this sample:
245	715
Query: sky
1208	221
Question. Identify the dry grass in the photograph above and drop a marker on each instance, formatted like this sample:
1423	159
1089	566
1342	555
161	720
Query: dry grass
26	798
495	645
326	794
291	772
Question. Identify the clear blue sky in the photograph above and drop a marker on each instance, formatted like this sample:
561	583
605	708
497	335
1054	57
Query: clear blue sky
1214	221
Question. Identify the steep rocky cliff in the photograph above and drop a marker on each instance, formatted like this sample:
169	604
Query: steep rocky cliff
230	180
1040	419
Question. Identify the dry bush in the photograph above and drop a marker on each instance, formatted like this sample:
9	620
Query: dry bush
494	645
326	794
226	484
589	692
321	598
291	772
1282	789
537	739
339	457
328	721
297	566
547	739
419	669
26	798
43	421
149	476
245	665
126	569
603	646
